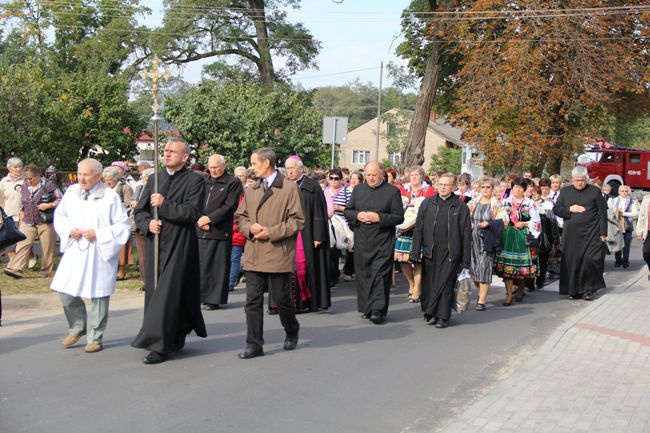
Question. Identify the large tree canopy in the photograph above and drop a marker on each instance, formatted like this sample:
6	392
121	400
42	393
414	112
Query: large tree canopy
234	119
539	75
65	80
252	32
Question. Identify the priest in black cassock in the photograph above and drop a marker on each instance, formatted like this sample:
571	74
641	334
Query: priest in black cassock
214	230
172	309
442	241
373	211
584	211
310	285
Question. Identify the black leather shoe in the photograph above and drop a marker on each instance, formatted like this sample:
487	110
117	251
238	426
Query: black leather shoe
618	264
574	297
441	323
376	317
210	307
154	358
250	352
290	343
273	311
589	296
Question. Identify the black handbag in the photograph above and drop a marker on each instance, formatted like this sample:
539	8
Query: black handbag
531	241
48	215
9	234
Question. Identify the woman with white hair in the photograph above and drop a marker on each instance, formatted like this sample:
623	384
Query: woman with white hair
113	179
10	188
626	209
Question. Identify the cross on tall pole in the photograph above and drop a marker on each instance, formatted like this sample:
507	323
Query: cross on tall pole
155	75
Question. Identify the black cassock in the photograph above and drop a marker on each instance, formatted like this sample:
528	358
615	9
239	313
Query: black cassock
316	228
173	309
374	243
583	253
442	241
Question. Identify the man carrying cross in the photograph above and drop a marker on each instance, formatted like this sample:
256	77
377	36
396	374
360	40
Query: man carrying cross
172	307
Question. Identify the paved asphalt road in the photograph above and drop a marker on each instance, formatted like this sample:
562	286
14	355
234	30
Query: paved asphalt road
347	375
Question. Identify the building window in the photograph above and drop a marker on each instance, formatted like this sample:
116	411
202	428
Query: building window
360	156
395	157
391	129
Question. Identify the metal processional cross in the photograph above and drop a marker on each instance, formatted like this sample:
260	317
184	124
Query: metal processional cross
155	75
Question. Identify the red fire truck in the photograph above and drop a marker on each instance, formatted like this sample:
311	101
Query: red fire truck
617	165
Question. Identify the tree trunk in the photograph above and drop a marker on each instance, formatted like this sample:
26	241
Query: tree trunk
415	140
267	75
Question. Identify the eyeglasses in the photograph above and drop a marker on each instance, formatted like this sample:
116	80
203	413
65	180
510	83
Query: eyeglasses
335	178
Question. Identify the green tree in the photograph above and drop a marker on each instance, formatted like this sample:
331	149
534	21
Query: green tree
251	31
358	101
65	97
233	119
431	59
447	159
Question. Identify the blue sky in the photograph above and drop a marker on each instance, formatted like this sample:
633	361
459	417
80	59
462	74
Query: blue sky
356	34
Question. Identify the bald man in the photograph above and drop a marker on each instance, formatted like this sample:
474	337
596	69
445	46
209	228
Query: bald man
214	229
374	210
93	226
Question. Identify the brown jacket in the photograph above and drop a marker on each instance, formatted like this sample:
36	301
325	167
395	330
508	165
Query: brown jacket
280	210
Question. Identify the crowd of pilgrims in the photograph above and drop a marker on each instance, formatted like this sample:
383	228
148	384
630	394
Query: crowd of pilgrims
512	232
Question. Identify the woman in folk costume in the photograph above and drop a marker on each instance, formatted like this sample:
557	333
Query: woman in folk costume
518	259
488	221
411	199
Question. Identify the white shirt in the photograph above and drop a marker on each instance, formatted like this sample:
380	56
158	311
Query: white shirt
88	269
269	180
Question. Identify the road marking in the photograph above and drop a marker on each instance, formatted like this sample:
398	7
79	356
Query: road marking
636	338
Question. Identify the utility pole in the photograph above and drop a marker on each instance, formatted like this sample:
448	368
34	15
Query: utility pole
381	77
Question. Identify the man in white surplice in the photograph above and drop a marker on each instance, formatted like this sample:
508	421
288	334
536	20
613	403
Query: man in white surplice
93	226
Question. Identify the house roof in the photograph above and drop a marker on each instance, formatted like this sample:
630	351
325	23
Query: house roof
449	132
438	126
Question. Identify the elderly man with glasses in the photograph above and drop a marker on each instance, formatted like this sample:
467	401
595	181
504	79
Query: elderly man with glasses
584	210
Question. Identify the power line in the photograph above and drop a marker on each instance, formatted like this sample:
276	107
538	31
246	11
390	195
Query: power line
450	41
190	14
194	8
338	73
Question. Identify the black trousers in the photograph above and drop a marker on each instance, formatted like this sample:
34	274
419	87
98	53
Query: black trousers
646	250
335	273
279	286
542	257
623	257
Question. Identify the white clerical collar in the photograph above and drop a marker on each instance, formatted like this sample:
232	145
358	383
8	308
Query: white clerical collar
271	178
446	197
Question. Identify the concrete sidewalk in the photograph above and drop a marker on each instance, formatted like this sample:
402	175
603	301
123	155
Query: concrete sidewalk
592	375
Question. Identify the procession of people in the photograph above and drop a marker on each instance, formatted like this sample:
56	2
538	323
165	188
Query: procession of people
291	232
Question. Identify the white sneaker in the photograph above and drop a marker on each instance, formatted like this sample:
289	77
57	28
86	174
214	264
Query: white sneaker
31	263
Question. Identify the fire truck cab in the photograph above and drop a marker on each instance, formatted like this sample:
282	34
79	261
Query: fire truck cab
617	165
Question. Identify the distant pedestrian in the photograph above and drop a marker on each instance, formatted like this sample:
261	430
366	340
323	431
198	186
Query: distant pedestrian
93	226
643	229
113	179
39	198
626	210
584	212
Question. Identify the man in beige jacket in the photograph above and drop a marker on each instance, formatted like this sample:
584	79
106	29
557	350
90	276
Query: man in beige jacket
270	217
